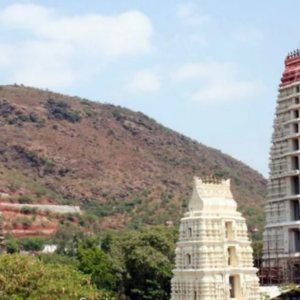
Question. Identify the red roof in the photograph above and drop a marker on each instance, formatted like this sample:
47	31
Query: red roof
291	73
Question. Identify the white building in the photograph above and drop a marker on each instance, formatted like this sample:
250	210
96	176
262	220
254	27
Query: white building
213	255
49	249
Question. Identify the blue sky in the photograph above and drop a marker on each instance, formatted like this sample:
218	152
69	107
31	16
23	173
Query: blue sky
208	69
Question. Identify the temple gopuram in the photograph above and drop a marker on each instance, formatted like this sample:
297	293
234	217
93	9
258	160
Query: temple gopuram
214	255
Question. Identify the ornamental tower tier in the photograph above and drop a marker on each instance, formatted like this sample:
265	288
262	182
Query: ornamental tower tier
281	239
213	254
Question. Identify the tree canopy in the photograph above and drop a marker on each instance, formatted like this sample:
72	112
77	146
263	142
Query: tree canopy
25	277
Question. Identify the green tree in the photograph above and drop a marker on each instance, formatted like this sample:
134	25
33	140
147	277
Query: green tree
143	261
32	243
27	278
67	238
95	262
12	246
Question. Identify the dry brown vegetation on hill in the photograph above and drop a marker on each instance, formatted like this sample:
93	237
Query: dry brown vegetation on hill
121	166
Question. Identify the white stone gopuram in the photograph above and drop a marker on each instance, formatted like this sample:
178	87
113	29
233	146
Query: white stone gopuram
213	255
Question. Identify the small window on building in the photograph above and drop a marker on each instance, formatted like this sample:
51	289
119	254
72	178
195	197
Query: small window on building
232	259
297	100
295	144
295	185
297	89
229	232
188	259
296	128
295	240
235	287
295	163
296	114
190	232
232	287
295	210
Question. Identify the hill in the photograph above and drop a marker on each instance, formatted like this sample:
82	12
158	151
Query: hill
120	166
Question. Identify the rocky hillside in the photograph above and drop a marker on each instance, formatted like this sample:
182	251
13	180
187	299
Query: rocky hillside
120	166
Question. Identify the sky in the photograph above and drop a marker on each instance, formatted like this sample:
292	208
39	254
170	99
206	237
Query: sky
207	69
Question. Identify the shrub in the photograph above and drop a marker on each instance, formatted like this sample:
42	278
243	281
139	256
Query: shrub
12	246
12	120
28	210
24	118
40	191
32	243
117	115
25	199
33	118
58	259
251	212
26	222
62	111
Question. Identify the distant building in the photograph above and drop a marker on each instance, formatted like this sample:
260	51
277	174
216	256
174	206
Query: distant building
281	239
49	248
169	223
213	255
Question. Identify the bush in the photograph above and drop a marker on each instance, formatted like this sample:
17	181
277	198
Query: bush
24	118
12	246
32	243
25	199
54	258
40	191
62	111
24	221
28	210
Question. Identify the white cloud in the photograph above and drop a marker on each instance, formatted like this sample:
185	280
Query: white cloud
62	50
218	82
46	64
248	35
191	15
144	81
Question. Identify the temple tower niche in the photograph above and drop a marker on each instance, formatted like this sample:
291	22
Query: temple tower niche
213	254
281	247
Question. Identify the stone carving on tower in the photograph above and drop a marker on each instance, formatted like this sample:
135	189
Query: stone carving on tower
214	255
281	238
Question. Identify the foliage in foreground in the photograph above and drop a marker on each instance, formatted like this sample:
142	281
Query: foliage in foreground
135	264
25	277
143	261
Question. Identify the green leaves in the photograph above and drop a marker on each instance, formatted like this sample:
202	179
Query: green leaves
144	260
25	277
95	262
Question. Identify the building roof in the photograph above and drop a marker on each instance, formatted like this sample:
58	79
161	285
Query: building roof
291	73
212	195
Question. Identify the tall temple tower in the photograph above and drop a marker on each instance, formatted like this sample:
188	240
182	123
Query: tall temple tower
213	254
281	249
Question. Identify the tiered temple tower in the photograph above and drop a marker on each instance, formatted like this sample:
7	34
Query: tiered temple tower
281	249
213	255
